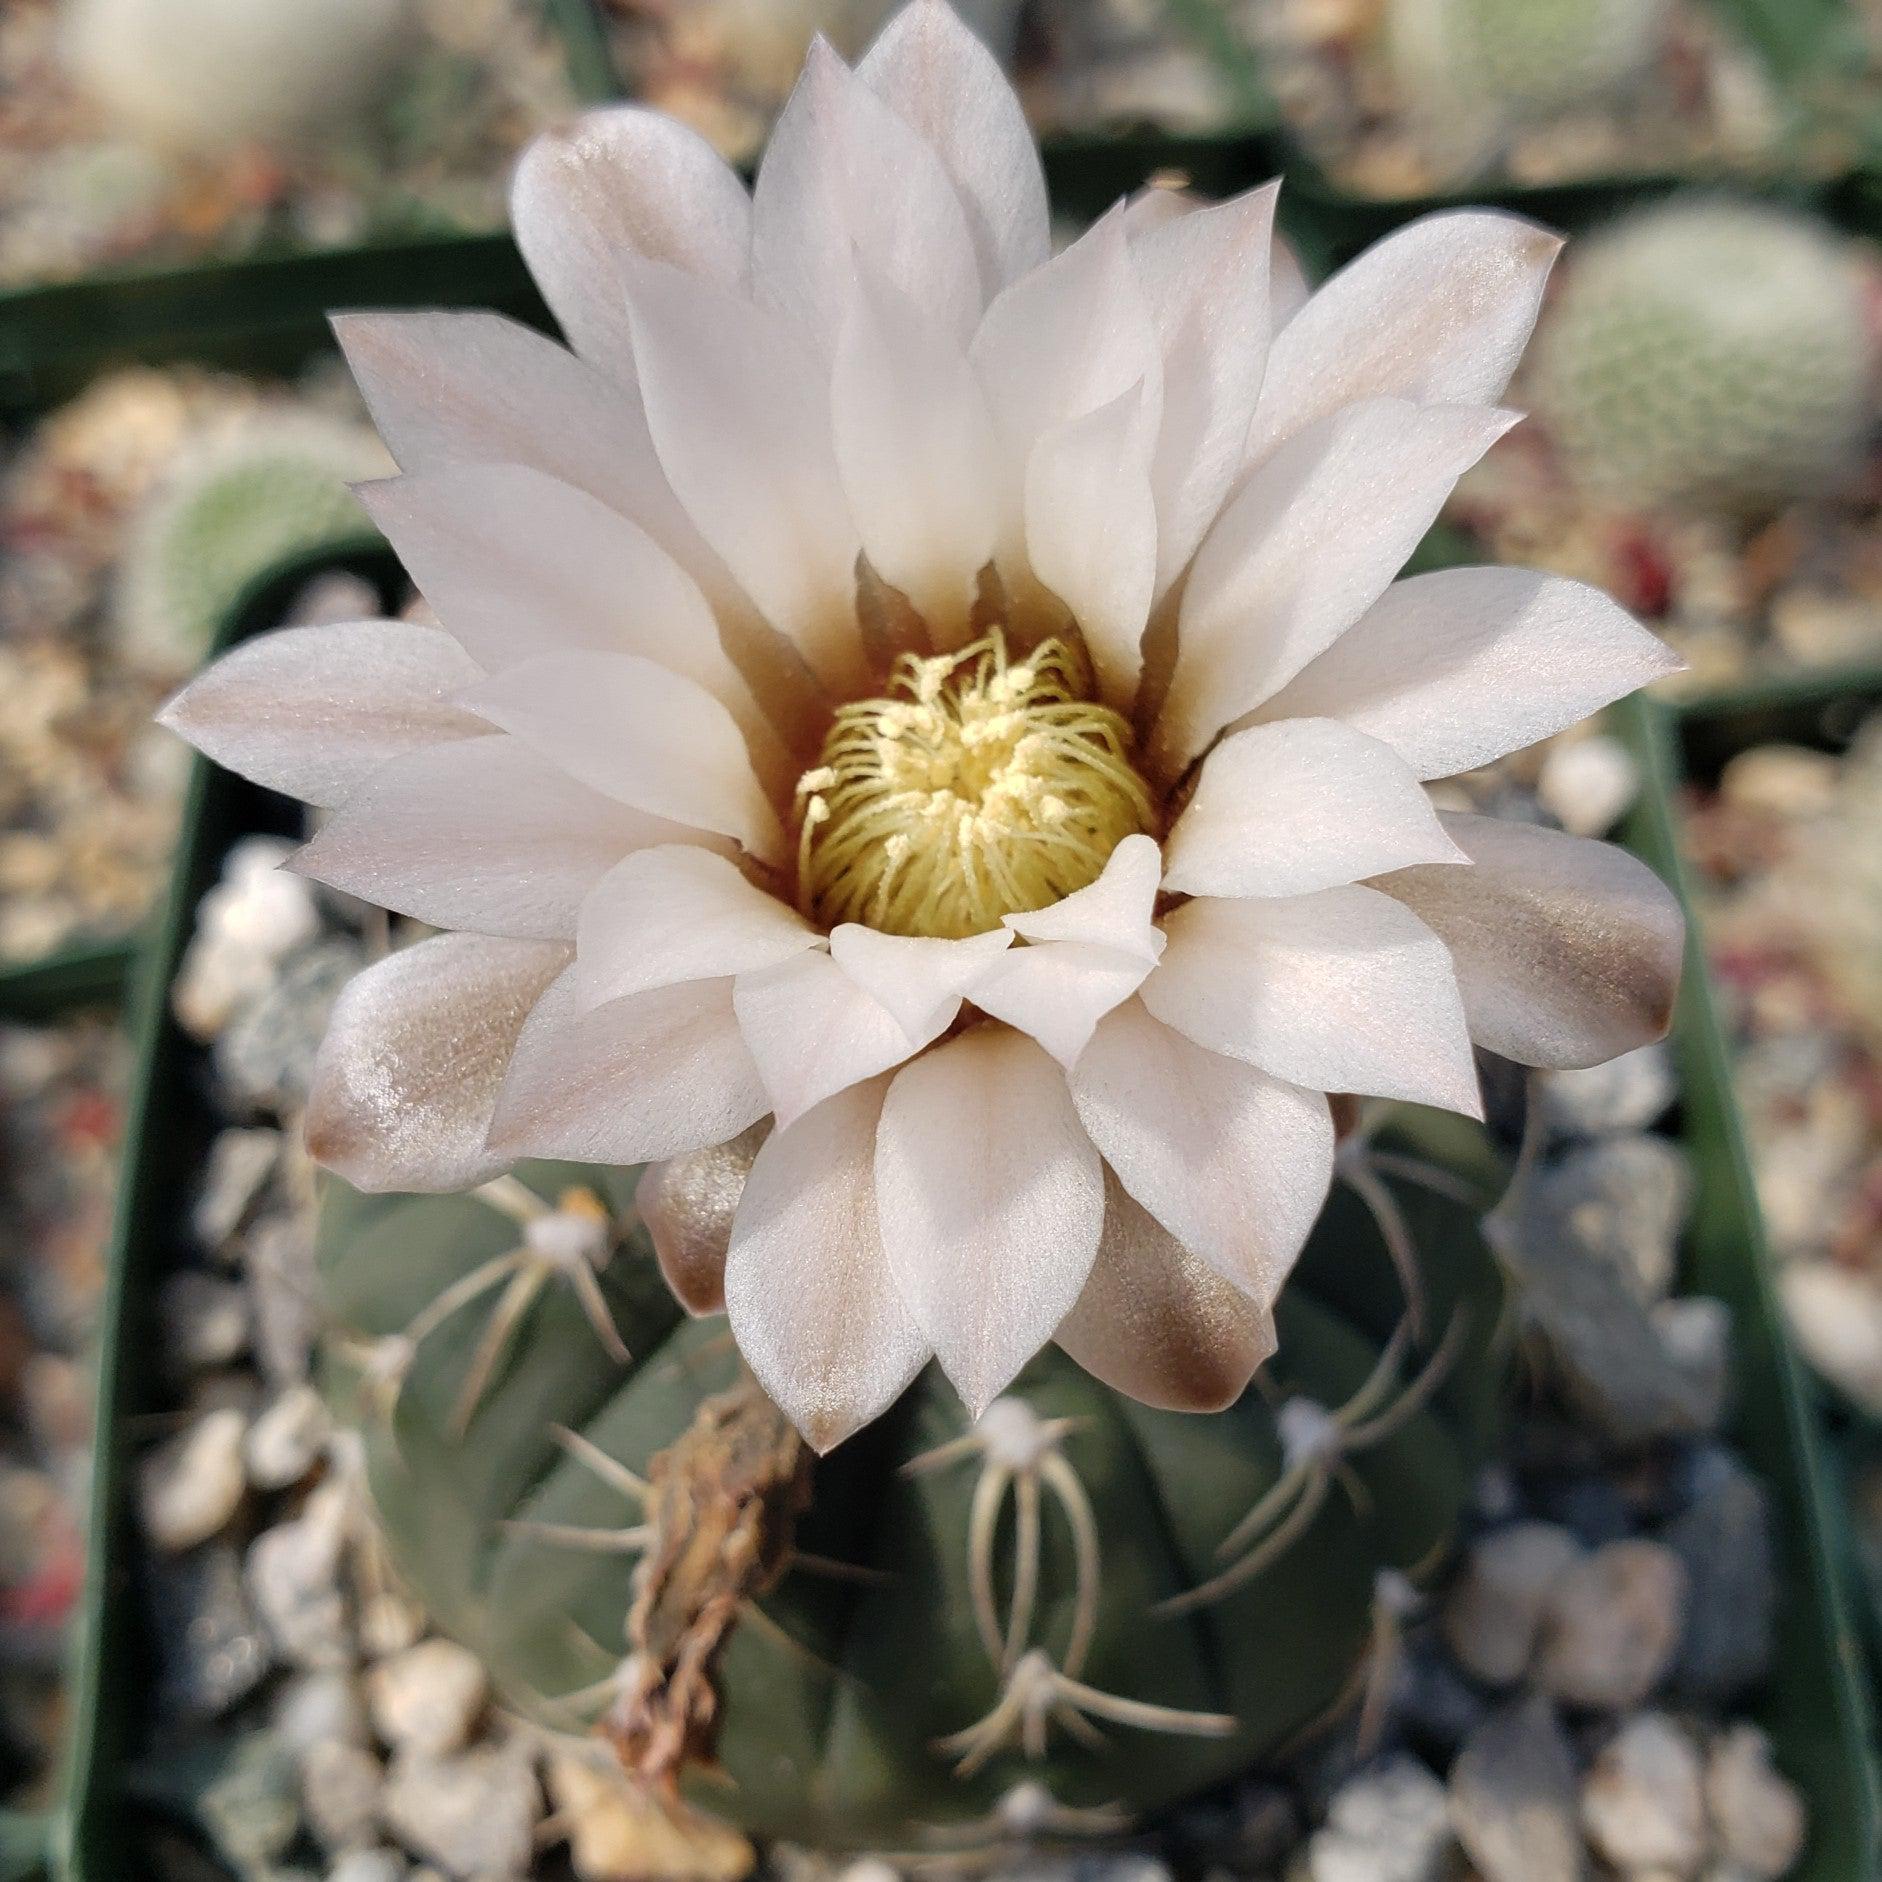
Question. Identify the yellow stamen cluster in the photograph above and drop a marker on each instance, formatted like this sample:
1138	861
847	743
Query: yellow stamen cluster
980	788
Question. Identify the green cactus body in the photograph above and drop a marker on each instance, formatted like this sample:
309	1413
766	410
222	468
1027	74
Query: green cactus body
1505	58
834	1696
1707	355
270	492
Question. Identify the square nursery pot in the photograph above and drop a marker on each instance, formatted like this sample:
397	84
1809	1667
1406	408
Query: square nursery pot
1330	223
267	309
1818	1706
94	1834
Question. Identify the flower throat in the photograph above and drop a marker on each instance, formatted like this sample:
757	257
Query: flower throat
980	787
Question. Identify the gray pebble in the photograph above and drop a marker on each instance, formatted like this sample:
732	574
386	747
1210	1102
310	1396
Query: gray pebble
1490	1617
1642	1804
240	1165
1611	1625
204	1320
1390	1823
264	1060
340	1785
212	1651
1630	1093
1513	1797
189	1487
1724	1539
293	1578
473	1815
370	1865
428	1698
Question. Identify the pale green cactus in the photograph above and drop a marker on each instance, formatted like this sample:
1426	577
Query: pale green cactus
1707	355
1496	62
1076	1611
245	499
207	76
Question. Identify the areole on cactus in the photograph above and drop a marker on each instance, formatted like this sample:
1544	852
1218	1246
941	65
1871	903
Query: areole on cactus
923	750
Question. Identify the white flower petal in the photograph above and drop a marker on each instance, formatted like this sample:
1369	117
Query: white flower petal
1233	1163
739	410
655	1075
517	565
687	1203
1457	668
919	979
1062	341
1343	990
407	1076
1438	312
991	1201
813	1303
1113	912
1288	287
1299	805
482	834
814	1032
1091	532
1304	548
1058	992
1159	1325
470	388
674	913
618	182
639	734
1087	954
312	711
1568	951
916	448
845	179
1207	278
932	71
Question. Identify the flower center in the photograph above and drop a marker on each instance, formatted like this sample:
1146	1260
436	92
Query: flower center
979	788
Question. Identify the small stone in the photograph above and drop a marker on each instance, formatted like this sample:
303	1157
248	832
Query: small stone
190	1487
1624	1200
333	597
264	1057
370	1865
316	1708
388	1624
1588	784
340	1787
204	1320
1758	1817
212	1651
1630	1093
249	1808
473	1815
1390	1823
285	1441
1642	1804
293	1578
1490	1617
1437	1706
278	1261
1836	1314
428	1698
240	1165
1724	1539
1513	1797
1611	1625
619	1833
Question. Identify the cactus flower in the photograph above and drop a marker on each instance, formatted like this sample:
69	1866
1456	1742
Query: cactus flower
924	746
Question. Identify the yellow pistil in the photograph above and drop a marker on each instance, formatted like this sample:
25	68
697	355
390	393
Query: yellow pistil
979	788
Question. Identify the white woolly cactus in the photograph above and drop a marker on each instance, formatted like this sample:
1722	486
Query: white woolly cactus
208	76
1495	60
238	504
1707	355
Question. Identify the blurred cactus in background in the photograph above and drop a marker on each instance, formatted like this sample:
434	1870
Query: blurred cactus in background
1707	355
245	499
206	77
1077	1610
1476	67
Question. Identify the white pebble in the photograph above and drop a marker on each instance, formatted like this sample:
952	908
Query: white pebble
190	1487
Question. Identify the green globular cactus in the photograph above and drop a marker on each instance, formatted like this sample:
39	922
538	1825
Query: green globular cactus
239	503
1707	355
1076	1611
1503	60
